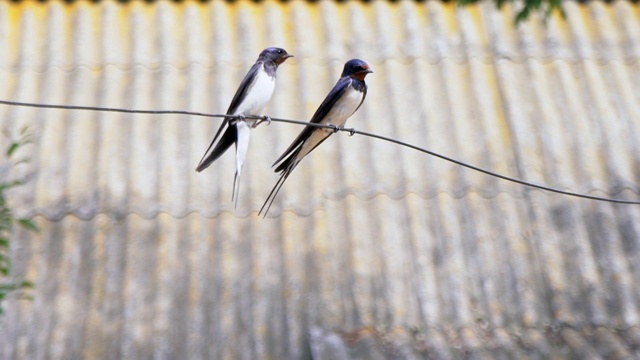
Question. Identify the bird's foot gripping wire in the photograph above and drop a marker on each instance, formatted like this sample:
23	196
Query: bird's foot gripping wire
234	119
337	128
264	118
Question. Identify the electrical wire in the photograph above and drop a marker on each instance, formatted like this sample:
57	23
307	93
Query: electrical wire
351	132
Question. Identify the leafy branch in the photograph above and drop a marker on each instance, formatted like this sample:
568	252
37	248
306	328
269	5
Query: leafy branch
8	221
547	7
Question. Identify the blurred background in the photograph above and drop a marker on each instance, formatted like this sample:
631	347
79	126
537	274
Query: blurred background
371	250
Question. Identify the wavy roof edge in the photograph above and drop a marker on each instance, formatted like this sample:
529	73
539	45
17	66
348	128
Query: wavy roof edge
86	213
409	60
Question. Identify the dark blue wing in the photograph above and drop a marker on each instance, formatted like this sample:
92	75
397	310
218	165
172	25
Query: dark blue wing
244	87
334	95
229	136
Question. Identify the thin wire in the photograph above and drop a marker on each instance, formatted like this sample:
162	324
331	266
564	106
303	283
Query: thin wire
503	177
117	110
351	132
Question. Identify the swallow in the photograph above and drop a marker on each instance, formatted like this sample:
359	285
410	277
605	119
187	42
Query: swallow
343	100
250	99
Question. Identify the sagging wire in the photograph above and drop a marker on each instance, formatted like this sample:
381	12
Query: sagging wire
351	132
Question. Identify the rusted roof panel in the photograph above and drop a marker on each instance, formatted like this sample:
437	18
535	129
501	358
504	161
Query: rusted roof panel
371	250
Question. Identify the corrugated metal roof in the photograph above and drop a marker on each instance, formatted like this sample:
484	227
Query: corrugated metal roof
371	250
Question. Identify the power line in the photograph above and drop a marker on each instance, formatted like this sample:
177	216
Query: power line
117	110
351	132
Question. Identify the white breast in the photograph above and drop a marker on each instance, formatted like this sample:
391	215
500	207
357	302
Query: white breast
344	108
258	95
338	115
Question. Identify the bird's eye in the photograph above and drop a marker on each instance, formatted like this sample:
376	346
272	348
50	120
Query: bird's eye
280	51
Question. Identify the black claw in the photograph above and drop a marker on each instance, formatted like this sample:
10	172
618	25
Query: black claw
264	118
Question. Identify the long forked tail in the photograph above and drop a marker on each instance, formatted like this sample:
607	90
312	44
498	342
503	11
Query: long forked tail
243	136
272	195
236	190
227	139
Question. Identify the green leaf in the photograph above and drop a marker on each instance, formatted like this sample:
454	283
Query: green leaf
500	4
522	15
22	161
12	286
6	288
10	184
28	224
12	148
465	2
7	221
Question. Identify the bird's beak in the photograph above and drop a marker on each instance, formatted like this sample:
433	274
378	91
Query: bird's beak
283	58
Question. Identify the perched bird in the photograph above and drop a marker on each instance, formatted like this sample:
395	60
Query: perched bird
250	99
343	101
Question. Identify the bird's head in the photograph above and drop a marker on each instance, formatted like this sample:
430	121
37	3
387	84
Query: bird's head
275	54
357	69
